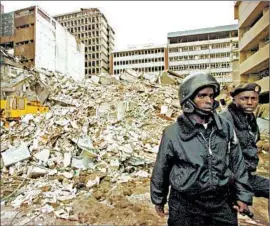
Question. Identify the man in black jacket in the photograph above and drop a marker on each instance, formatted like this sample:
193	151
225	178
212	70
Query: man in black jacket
198	158
240	113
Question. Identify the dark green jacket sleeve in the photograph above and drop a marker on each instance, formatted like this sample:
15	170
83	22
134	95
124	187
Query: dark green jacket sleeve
238	167
160	177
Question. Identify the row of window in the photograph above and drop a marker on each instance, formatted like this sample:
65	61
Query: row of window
139	70
139	61
24	13
203	56
92	63
204	37
202	47
138	52
89	13
86	35
82	28
92	56
200	66
221	74
94	48
79	26
91	41
24	42
92	71
90	19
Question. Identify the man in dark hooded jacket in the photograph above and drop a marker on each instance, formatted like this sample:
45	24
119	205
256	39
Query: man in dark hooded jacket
240	113
198	158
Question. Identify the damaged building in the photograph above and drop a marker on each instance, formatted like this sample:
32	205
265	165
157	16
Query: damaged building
213	50
2	9
253	19
92	28
149	59
42	42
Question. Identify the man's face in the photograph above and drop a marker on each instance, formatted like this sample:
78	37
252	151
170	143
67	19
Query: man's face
248	101
204	99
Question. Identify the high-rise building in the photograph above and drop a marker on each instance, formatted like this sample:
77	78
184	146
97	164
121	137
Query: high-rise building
42	42
2	10
93	29
213	50
253	22
149	59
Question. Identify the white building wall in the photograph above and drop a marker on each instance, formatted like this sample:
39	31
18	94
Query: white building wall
45	44
60	49
57	50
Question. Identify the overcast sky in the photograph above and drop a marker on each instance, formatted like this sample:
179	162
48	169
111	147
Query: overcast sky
144	22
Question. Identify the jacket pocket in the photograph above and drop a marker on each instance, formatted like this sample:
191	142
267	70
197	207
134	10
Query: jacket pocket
183	177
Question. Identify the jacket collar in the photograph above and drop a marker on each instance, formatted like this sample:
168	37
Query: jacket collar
240	117
187	129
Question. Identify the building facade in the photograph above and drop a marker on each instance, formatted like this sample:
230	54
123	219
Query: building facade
42	42
213	50
253	20
93	29
148	59
2	9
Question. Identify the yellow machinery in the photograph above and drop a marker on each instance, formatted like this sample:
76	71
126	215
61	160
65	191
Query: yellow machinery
14	107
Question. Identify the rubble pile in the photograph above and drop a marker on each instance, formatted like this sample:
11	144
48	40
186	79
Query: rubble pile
106	128
88	159
9	54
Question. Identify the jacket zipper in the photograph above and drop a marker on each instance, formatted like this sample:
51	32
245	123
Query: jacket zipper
209	142
210	153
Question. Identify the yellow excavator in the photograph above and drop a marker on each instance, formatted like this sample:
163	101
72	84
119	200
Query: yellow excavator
14	107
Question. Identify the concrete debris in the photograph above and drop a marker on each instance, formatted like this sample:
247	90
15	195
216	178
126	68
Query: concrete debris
35	171
43	155
92	183
104	126
81	163
14	155
67	159
165	78
95	79
151	77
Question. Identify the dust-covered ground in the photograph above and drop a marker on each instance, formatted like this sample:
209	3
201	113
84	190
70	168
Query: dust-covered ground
118	204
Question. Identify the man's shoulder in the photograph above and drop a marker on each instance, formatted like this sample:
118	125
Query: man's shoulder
171	130
226	114
225	120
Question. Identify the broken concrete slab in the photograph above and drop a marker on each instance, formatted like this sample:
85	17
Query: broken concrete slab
163	109
84	142
166	79
14	155
35	171
151	77
92	183
81	163
43	155
67	159
95	79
